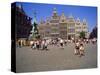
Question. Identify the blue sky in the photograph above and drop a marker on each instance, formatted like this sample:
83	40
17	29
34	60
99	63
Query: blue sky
45	10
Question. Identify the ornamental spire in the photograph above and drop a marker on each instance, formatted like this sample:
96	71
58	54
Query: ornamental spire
34	19
54	10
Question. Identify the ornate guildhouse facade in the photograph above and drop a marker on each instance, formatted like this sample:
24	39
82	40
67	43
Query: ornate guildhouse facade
71	27
54	23
44	29
81	26
85	28
62	27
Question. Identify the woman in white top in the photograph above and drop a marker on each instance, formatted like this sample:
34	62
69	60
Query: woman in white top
61	43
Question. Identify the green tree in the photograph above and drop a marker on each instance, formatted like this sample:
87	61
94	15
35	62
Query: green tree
82	34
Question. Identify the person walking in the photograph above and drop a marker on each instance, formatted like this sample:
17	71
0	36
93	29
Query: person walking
76	50
37	45
62	43
81	50
43	44
33	45
46	45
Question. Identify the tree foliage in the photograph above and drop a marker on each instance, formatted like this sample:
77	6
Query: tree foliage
93	34
82	34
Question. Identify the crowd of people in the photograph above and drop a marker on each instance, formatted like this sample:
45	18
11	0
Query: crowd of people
42	44
79	46
39	44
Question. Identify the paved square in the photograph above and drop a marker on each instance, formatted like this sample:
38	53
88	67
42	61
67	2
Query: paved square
28	60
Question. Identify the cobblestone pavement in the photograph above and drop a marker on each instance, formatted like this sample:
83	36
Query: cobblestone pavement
28	60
